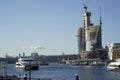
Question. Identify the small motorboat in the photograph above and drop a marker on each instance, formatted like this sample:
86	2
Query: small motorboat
115	65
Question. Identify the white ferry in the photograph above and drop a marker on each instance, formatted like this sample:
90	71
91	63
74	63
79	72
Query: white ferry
114	65
27	63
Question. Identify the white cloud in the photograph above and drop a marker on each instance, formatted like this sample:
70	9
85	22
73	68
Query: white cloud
33	47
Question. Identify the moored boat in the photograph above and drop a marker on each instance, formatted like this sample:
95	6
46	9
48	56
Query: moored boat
27	63
114	65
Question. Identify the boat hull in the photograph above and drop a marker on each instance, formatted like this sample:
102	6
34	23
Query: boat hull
32	67
113	66
112	69
28	67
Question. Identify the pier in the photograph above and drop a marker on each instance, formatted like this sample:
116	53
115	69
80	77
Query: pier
96	62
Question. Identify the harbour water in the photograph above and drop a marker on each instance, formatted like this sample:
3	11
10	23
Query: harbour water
65	72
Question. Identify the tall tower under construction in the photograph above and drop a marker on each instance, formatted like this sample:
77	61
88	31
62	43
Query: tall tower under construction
89	37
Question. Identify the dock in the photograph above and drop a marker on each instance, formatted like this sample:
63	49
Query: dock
90	62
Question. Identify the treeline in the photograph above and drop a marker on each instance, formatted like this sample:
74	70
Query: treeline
52	58
9	59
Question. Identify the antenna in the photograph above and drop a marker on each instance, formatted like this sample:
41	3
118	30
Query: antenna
85	8
100	14
85	2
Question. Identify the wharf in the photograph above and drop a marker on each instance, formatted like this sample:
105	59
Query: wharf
91	62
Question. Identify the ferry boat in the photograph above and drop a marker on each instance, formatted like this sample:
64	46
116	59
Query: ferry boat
114	65
27	63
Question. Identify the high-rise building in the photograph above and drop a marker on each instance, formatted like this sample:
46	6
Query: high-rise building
89	37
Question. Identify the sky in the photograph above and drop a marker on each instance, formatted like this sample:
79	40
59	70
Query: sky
49	27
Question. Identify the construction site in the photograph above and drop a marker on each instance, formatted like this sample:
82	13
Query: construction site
89	38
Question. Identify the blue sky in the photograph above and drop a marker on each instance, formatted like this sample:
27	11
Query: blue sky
50	26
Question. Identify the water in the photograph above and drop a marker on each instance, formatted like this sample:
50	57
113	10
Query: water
65	72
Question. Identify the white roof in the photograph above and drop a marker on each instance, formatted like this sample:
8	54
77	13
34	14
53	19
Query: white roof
25	59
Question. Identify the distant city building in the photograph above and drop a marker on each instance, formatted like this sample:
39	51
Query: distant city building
19	55
34	55
23	54
89	37
114	51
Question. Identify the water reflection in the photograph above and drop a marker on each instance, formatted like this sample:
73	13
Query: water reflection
65	72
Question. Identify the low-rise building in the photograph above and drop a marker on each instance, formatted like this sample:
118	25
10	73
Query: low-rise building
114	51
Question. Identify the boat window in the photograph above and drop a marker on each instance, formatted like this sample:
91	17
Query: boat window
28	60
119	66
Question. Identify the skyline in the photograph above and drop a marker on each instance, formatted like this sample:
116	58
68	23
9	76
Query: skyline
50	26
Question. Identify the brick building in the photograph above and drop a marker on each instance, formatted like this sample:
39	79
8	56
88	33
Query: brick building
114	51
